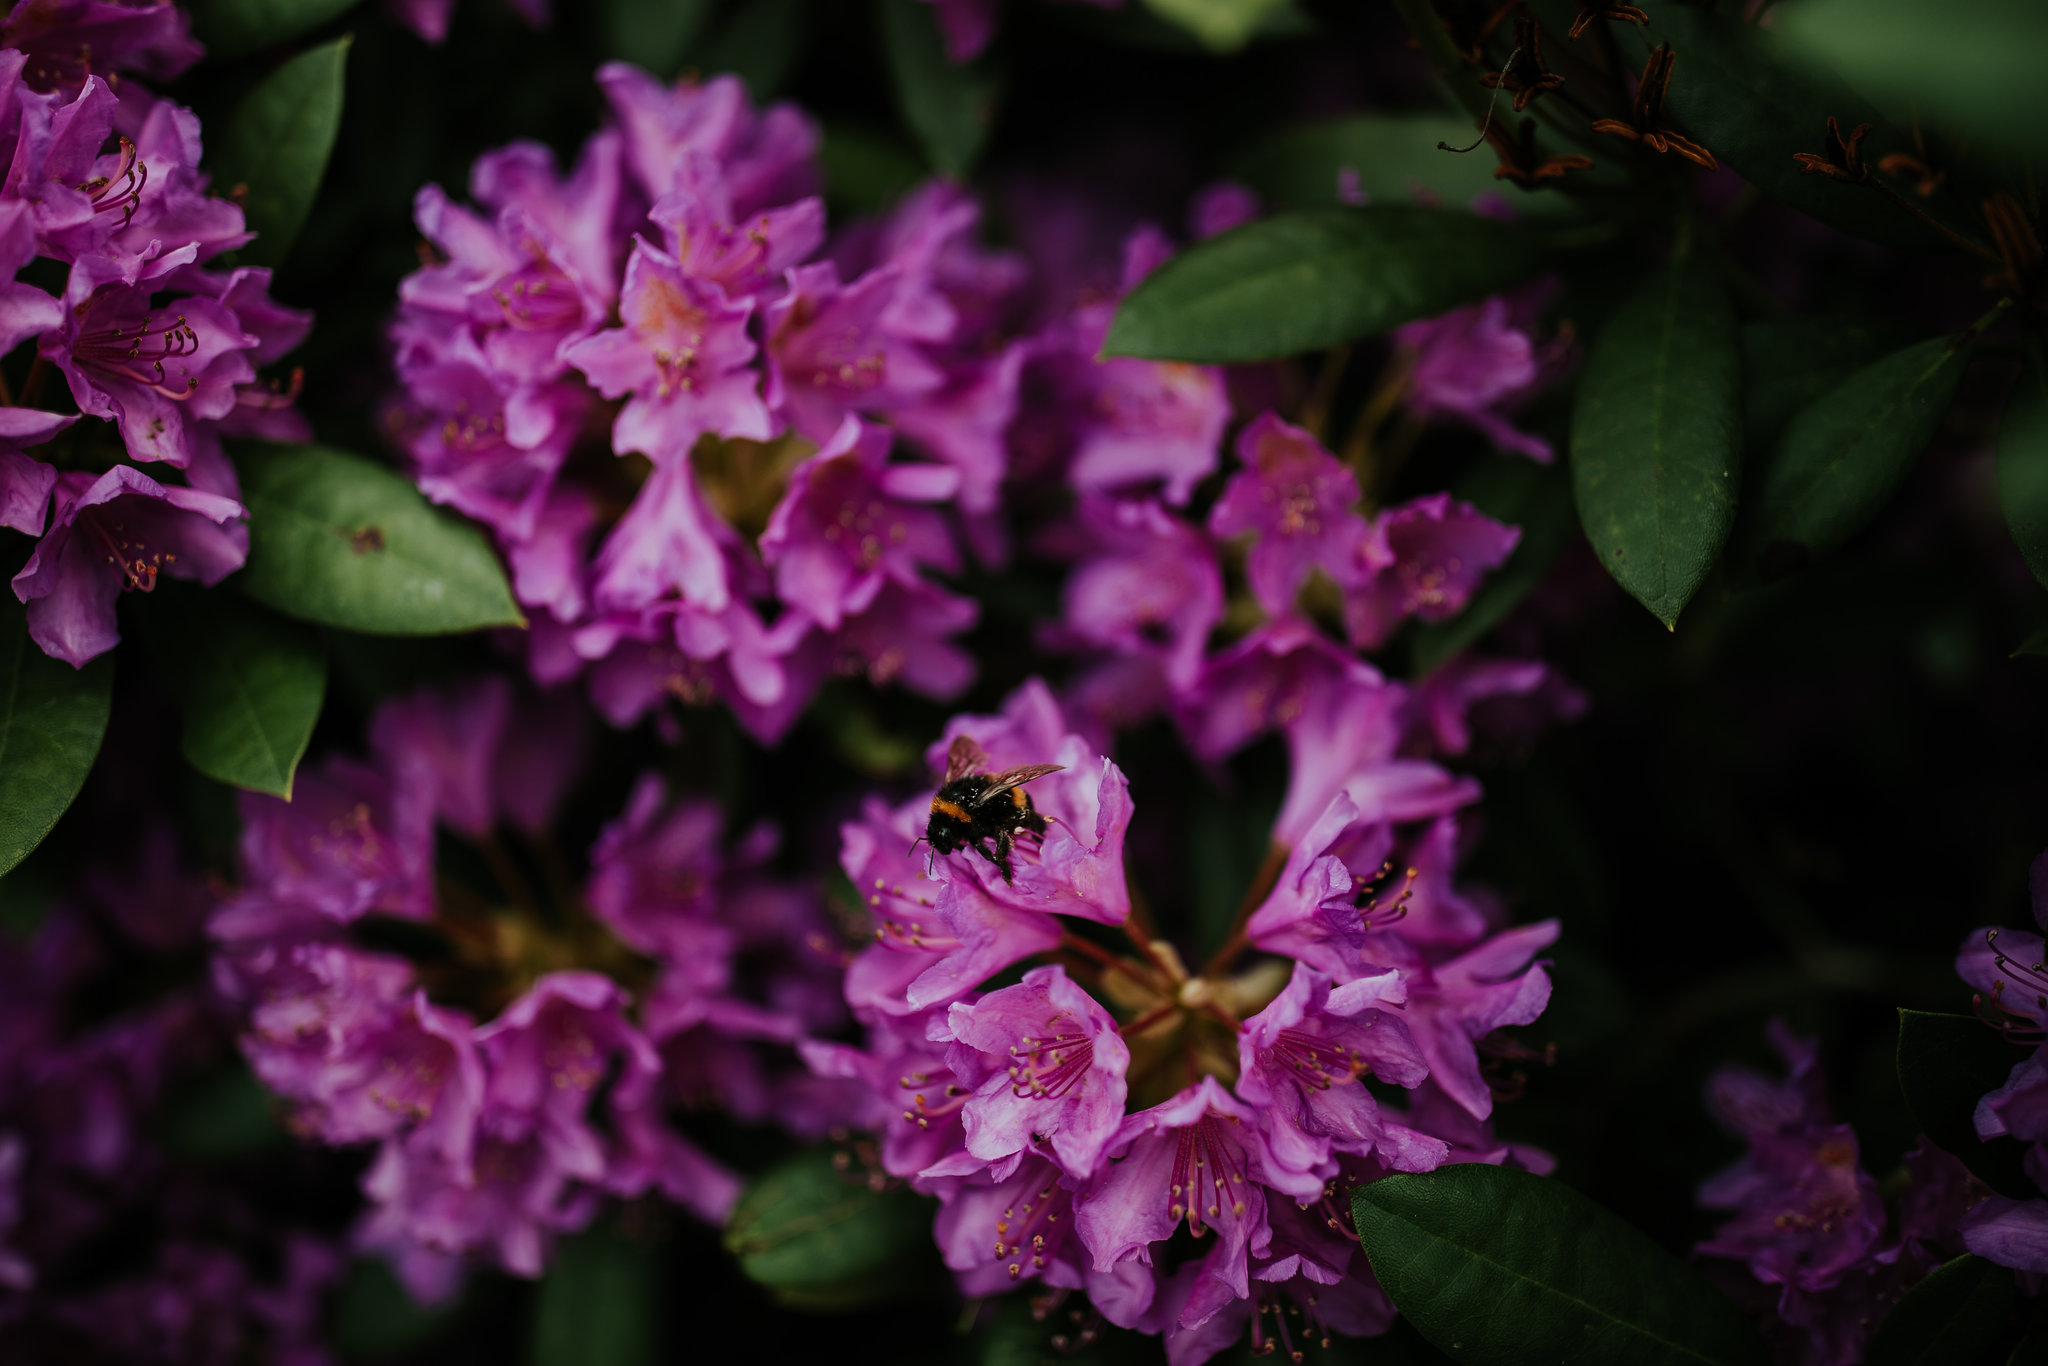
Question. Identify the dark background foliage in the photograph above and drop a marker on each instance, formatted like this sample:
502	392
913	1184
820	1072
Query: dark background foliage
1796	805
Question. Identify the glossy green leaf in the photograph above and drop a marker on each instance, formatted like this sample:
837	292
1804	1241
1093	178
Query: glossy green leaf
948	106
2023	476
599	1305
1219	25
51	719
1788	363
250	684
274	148
1842	456
235	28
1497	1266
1959	1311
1657	436
821	1238
343	541
1395	158
1522	493
1754	100
652	34
1947	1063
1317	278
1976	67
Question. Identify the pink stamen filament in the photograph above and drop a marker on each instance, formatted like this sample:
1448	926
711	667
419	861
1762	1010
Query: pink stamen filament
1318	1062
1029	1224
923	1112
1205	1177
120	354
138	564
1052	1066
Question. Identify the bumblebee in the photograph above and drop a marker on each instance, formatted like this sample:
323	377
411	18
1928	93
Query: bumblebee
984	812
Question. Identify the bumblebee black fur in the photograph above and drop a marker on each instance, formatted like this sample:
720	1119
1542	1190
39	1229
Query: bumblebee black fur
983	811
965	815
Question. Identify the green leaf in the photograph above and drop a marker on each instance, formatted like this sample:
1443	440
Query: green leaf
598	1306
1754	100
1975	66
276	144
1841	457
1957	1312
250	684
51	719
1522	493
1317	278
2023	474
2036	644
1657	436
1395	157
235	28
1787	363
652	34
340	540
1502	1266
821	1238
1947	1063
948	106
1219	25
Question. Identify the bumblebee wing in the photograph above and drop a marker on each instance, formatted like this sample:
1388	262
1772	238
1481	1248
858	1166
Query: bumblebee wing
963	758
1016	777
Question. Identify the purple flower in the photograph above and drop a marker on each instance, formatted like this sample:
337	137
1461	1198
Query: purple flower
1475	362
653	880
548	1053
1343	724
766	159
1201	1158
682	354
150	369
25	482
968	25
1149	586
1303	1060
350	842
115	532
742	258
68	41
1453	1005
422	1213
441	747
831	351
1421	559
1806	1212
489	454
1297	503
852	520
1055	1066
1221	206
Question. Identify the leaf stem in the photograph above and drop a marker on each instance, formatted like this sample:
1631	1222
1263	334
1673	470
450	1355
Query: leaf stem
1255	895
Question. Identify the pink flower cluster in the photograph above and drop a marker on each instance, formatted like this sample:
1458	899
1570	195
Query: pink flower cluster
524	1061
1075	1120
805	435
104	182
